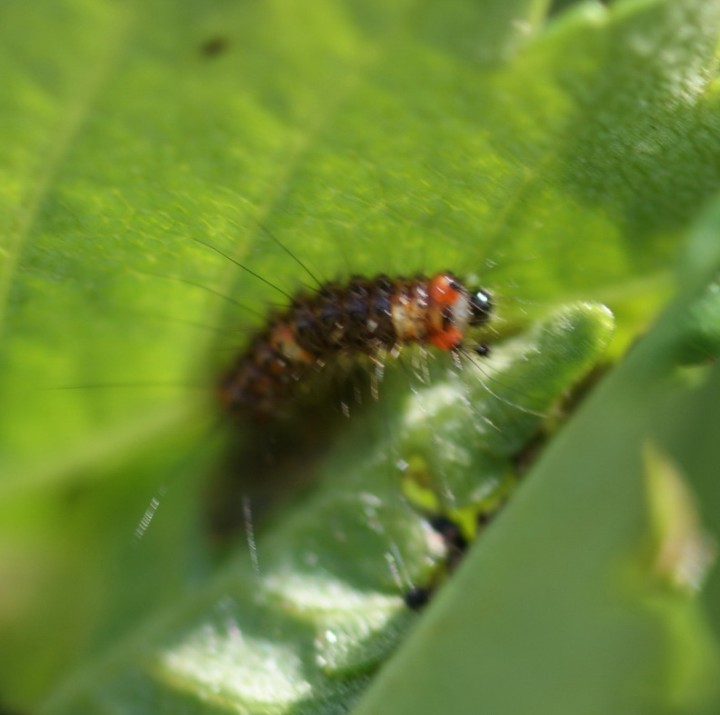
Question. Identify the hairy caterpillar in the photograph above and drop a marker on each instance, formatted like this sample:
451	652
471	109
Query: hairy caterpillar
326	594
364	316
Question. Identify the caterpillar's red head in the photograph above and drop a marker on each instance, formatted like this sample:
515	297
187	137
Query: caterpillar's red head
453	309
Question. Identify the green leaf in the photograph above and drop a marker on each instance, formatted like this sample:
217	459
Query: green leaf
557	159
300	627
585	597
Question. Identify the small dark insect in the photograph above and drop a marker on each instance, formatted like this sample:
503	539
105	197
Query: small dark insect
456	546
366	316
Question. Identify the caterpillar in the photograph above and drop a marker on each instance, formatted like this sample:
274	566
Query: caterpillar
366	316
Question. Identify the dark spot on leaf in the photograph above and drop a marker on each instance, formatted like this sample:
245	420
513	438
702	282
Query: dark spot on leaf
214	46
416	598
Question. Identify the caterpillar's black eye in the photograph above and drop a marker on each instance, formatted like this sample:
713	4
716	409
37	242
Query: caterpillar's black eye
481	306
